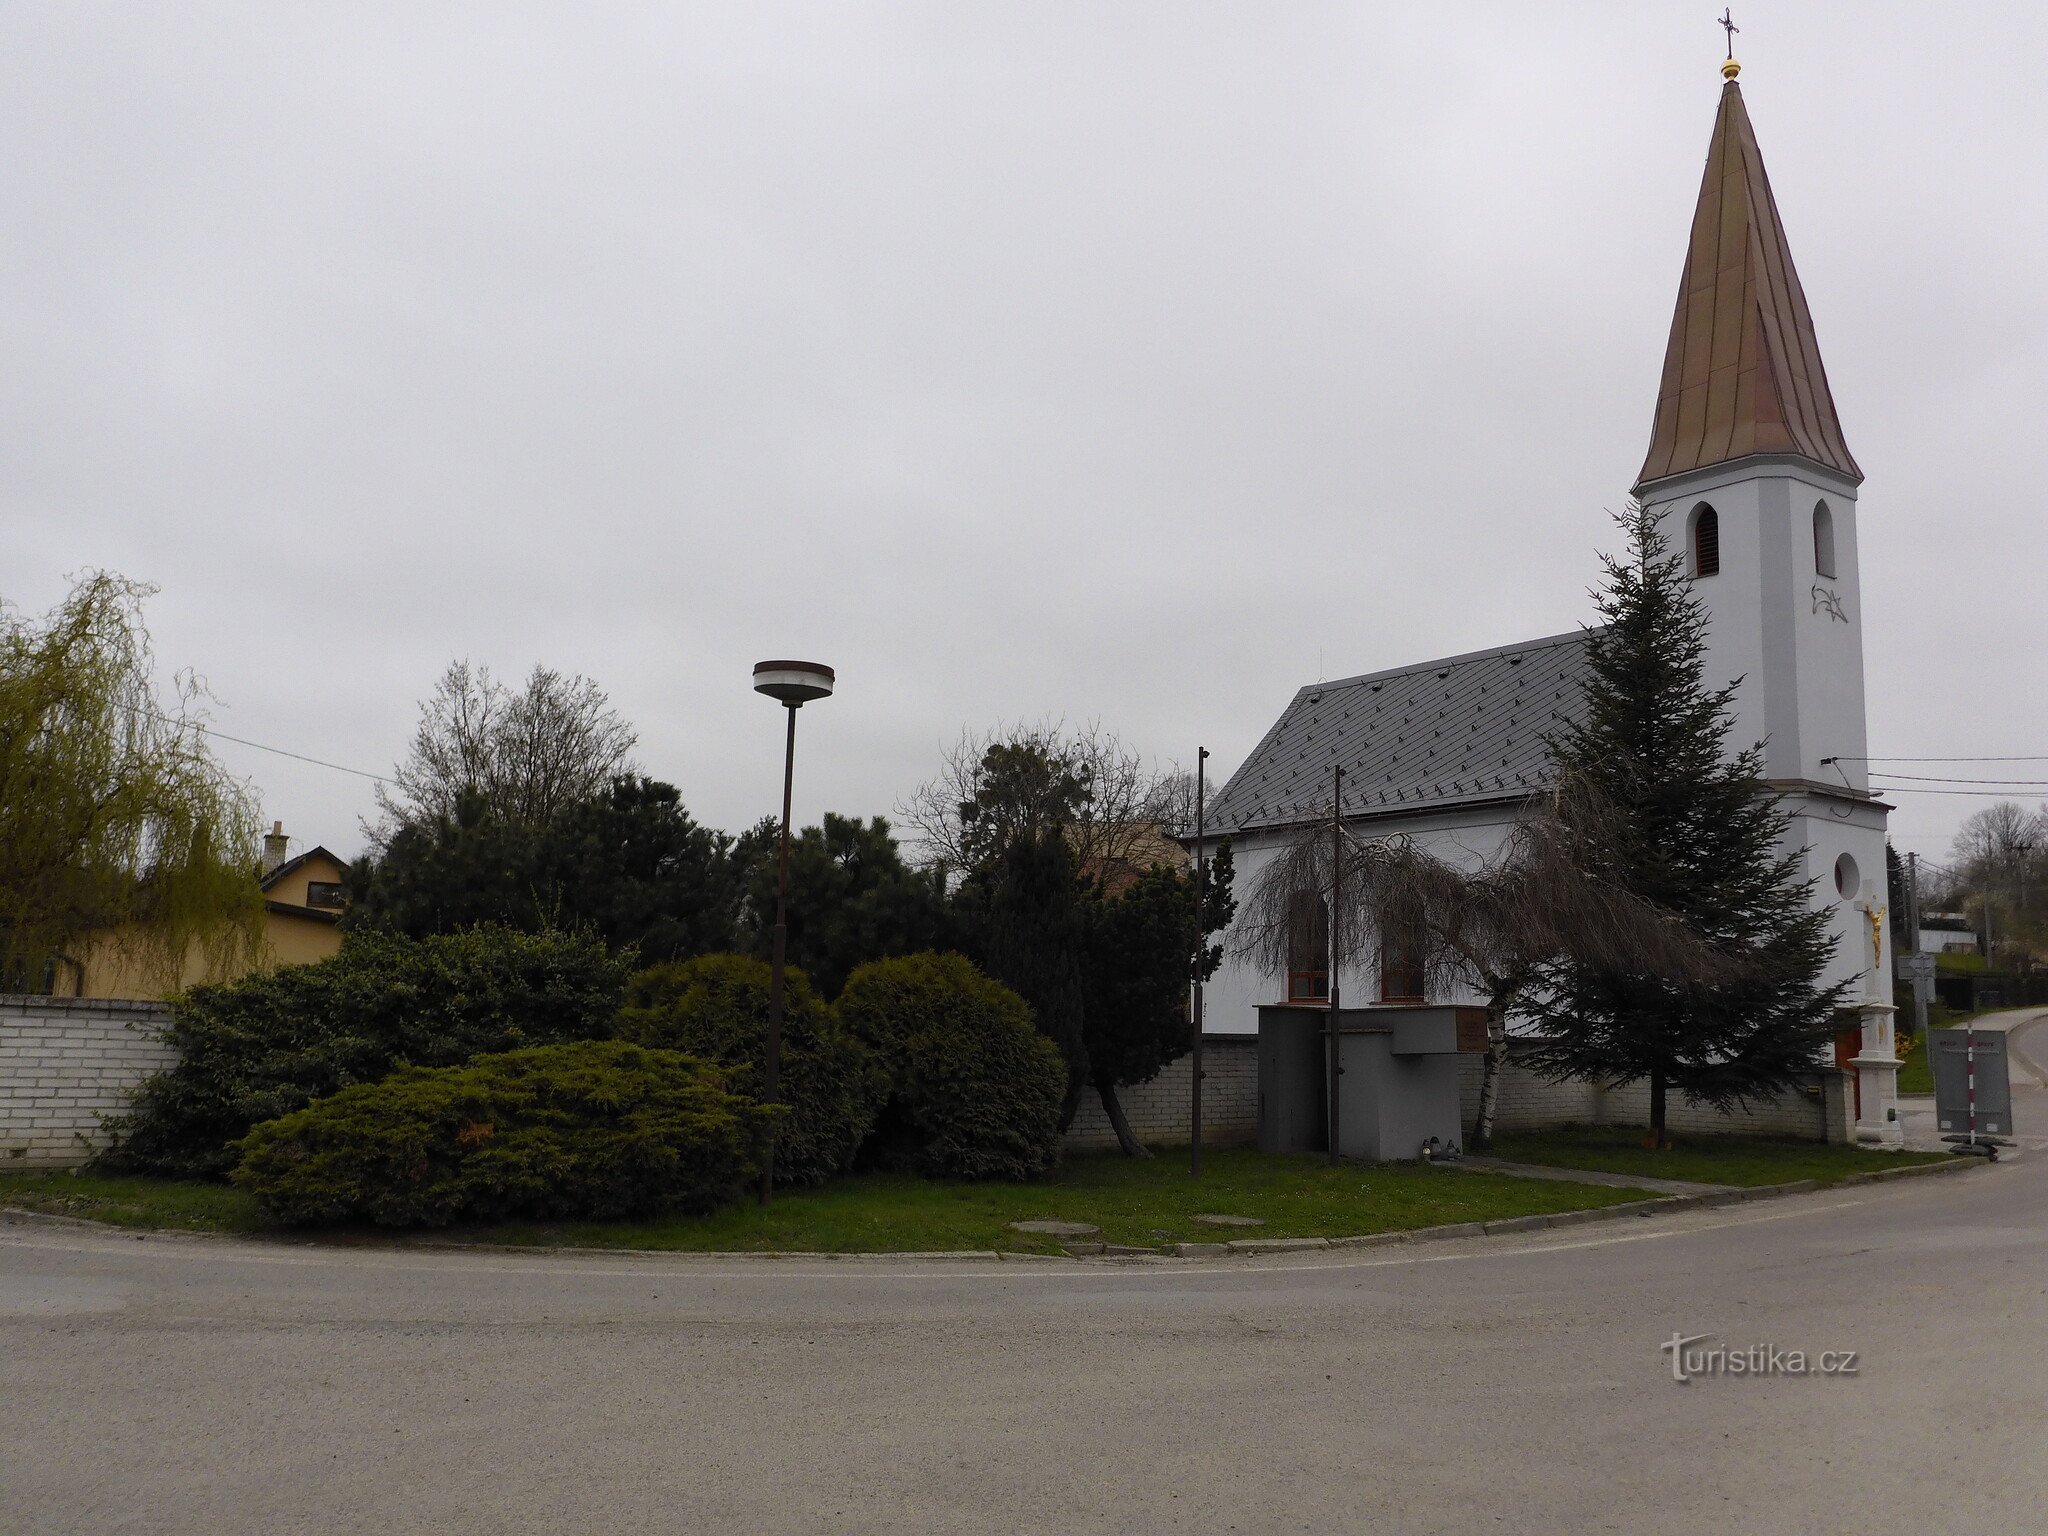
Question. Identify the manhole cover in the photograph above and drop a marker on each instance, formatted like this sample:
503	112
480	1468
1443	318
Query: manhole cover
1056	1228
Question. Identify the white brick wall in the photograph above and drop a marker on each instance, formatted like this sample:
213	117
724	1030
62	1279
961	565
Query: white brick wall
1158	1110
1528	1103
66	1064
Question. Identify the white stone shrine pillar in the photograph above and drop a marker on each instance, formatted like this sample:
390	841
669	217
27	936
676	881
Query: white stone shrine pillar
1877	1062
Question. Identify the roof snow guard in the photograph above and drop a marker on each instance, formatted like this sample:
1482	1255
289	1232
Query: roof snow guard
1462	731
1742	371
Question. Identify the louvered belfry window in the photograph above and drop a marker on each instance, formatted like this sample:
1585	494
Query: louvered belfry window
1823	540
1706	542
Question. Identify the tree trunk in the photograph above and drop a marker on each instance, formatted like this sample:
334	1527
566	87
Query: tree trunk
1078	1079
1489	1082
1126	1138
1657	1140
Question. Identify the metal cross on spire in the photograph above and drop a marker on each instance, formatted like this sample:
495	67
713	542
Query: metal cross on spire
1728	26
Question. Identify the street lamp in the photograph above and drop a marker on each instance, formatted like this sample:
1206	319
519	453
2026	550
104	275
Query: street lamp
793	684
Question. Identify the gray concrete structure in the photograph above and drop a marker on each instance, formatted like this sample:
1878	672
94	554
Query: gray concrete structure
1398	1080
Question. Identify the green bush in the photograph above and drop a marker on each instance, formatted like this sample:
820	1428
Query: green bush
596	1130
268	1044
716	1006
975	1089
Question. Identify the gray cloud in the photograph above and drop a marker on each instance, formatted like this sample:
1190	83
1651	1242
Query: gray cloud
1130	362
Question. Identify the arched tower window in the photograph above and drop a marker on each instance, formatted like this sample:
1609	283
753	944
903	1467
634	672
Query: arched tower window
1706	541
1823	540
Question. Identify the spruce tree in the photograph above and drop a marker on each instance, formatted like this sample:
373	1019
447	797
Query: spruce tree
1694	830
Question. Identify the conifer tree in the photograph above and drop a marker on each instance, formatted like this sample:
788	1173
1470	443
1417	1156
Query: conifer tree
1694	831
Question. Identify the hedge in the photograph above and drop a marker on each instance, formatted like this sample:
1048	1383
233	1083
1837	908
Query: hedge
595	1130
716	1006
270	1043
975	1089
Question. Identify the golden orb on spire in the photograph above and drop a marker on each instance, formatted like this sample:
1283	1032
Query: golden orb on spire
1731	69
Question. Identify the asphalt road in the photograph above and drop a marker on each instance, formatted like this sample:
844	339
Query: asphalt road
198	1385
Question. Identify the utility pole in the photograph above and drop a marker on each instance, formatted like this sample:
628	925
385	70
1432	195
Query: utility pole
1336	927
1920	983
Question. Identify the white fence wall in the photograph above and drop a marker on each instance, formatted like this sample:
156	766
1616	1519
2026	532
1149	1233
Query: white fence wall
1816	1112
1158	1110
65	1064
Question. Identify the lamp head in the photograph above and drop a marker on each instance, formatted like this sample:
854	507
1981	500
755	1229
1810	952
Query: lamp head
793	682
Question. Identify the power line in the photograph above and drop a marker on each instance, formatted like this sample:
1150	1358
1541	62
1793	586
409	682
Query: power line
1845	758
318	762
1915	789
1942	778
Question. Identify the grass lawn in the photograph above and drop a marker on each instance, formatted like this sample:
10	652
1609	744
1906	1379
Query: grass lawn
127	1202
1145	1203
1745	1160
1916	1072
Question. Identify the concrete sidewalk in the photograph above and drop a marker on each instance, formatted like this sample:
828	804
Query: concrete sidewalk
1588	1176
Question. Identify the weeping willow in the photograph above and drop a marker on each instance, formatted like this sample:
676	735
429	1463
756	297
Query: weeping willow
118	829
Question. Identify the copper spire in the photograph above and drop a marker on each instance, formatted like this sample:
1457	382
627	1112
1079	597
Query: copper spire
1742	371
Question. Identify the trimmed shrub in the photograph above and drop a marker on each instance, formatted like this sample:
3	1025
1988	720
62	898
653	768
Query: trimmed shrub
716	1006
271	1043
975	1089
595	1130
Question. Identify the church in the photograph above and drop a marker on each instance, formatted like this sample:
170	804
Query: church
1751	477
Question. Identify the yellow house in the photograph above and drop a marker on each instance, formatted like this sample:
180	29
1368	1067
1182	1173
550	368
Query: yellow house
302	904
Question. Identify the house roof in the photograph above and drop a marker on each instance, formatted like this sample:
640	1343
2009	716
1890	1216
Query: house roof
1742	370
1464	730
298	862
312	914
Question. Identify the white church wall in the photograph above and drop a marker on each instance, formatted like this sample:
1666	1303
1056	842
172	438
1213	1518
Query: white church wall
1828	620
1828	830
1240	986
1793	636
1773	625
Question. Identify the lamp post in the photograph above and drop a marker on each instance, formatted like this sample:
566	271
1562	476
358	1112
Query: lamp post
793	684
1201	959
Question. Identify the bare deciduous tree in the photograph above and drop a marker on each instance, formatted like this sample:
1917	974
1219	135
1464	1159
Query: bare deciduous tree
524	754
1019	780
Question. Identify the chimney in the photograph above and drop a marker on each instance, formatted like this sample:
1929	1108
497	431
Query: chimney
274	846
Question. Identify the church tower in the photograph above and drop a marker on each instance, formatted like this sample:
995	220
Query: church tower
1754	483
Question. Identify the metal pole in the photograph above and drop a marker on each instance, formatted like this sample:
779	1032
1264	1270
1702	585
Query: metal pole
1201	959
1336	908
1913	947
1970	1071
772	1075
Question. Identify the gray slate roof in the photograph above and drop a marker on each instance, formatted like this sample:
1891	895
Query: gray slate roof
1463	730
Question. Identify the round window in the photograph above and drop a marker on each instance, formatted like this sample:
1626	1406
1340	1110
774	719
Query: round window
1848	878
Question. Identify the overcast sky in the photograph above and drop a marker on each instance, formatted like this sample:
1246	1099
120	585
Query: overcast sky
1118	361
